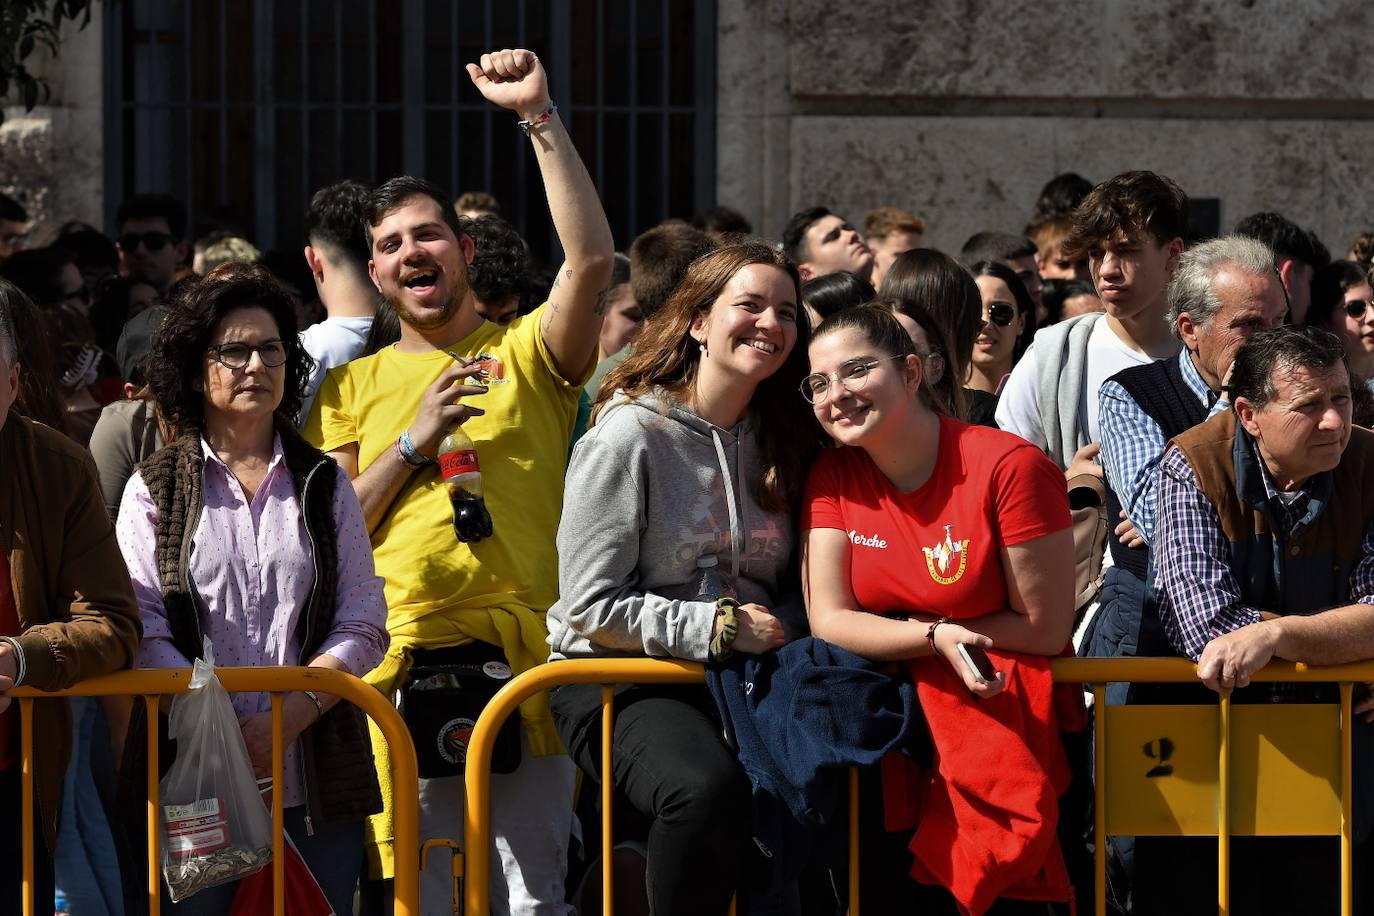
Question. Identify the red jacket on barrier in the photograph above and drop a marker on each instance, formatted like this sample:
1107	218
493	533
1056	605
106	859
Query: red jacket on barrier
986	816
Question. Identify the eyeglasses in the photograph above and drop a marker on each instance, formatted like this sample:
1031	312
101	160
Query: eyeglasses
237	355
81	294
1001	313
1356	308
816	387
153	241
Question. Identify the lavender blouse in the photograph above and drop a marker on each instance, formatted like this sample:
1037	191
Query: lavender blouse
251	572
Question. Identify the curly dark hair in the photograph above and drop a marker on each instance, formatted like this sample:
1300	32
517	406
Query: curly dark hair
498	269
177	356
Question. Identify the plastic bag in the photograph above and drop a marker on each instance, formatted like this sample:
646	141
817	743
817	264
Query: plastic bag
215	828
302	897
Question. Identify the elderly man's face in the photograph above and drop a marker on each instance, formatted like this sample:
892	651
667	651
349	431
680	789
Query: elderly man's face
1249	303
1305	427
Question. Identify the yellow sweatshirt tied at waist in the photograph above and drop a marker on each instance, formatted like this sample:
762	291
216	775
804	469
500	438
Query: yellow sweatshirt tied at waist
522	635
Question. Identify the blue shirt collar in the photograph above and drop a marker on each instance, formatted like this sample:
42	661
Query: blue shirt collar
1193	378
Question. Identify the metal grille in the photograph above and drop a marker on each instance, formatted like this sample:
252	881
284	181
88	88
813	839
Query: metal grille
242	108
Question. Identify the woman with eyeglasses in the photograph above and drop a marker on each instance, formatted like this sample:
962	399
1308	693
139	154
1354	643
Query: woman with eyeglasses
676	541
1008	326
945	547
241	532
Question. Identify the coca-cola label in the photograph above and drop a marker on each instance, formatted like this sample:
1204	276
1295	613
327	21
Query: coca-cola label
464	461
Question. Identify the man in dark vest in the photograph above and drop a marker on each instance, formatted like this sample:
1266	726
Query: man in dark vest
1222	292
1264	549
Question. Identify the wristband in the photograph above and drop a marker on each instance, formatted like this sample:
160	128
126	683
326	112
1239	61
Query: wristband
722	644
538	120
21	667
409	453
315	698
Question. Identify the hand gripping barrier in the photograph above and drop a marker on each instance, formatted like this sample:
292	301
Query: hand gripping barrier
150	684
1260	770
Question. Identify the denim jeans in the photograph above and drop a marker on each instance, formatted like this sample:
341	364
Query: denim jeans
85	862
673	767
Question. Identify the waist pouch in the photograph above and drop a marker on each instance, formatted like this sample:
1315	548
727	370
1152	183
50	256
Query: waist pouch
442	699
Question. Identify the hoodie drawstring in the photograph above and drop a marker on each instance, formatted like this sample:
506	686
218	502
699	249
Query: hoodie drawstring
735	533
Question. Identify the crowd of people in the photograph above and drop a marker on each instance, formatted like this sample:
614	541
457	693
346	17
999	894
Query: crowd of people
859	478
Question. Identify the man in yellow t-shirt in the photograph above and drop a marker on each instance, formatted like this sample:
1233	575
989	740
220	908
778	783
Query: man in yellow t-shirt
515	391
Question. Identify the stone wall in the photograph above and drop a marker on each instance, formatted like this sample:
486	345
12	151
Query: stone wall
52	158
959	110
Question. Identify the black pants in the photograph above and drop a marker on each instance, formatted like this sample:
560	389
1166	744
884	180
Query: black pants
1269	875
11	850
673	767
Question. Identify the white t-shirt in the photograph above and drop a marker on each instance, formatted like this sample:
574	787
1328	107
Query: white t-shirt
332	342
1018	407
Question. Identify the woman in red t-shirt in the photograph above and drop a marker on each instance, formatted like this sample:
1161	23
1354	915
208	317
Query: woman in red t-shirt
923	535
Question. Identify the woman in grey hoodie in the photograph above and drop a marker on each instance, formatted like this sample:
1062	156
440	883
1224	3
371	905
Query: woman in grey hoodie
676	541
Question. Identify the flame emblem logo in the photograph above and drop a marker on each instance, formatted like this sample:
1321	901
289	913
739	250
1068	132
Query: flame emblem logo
946	555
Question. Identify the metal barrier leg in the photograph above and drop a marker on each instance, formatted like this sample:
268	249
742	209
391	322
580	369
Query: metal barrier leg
1224	810
150	708
607	791
278	812
1347	800
1099	799
456	867
26	803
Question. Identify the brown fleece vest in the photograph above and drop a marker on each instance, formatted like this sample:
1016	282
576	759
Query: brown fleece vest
1298	573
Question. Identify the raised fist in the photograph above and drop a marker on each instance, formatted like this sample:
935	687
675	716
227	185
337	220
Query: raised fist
513	79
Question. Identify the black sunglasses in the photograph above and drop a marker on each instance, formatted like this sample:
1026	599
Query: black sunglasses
153	241
1001	313
1356	308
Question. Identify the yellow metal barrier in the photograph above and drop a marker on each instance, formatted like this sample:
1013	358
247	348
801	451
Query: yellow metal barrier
1292	746
150	684
1242	770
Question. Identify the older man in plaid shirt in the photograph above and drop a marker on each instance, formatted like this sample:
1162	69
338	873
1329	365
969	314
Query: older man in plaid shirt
1264	547
1222	292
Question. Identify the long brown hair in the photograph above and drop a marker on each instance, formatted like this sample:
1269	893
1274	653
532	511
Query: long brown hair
667	357
944	288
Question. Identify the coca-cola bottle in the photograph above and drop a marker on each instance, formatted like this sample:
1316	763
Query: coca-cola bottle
710	585
463	477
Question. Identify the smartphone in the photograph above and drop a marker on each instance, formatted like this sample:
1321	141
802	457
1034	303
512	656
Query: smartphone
978	663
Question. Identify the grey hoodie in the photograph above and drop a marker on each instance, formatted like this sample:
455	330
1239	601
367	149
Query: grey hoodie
650	489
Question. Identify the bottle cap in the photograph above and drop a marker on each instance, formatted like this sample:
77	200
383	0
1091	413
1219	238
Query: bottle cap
706	562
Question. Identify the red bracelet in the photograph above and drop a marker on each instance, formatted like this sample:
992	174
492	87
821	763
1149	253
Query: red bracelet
930	635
